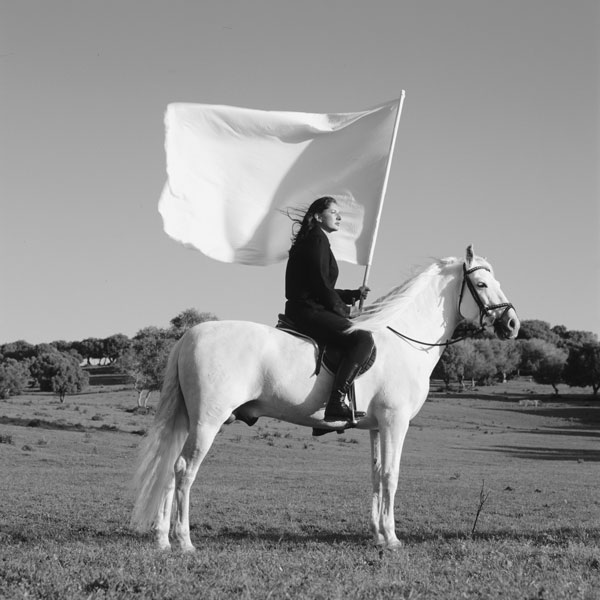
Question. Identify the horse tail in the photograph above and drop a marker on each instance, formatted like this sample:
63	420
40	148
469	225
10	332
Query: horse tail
160	448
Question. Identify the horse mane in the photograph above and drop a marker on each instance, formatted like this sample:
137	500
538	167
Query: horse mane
389	307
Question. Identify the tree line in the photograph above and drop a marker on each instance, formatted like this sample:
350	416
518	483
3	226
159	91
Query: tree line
550	355
60	366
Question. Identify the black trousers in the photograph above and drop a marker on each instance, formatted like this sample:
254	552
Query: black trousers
327	327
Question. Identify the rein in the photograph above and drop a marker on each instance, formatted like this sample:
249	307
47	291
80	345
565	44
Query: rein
447	343
483	311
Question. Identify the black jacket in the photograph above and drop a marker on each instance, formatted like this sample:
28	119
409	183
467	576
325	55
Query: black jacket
311	274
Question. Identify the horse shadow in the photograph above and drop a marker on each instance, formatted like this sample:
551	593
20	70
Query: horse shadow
276	537
272	537
547	453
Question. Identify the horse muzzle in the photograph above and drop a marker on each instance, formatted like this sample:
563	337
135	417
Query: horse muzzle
507	325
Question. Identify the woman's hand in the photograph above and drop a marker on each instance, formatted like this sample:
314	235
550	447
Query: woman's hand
363	291
355	311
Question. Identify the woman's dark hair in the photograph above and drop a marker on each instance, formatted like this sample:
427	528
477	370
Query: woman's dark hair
308	222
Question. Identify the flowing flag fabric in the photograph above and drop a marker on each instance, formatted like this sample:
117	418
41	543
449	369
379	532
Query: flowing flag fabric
236	175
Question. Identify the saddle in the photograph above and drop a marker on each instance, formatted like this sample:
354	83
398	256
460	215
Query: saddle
327	356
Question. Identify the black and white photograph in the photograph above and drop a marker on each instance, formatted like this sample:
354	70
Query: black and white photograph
300	299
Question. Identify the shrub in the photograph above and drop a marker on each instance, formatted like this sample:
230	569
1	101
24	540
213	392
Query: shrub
583	366
14	377
60	373
549	369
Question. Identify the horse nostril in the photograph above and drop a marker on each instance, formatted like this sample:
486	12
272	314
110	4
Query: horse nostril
512	324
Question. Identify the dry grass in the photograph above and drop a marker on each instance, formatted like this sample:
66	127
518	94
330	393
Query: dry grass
276	513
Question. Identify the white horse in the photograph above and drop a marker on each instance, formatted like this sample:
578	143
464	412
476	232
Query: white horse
222	370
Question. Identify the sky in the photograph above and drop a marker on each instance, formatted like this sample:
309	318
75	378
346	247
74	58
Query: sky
498	146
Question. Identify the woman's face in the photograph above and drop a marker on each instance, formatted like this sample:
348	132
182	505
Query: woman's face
330	218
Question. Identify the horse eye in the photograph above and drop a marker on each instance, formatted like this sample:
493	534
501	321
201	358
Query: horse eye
481	285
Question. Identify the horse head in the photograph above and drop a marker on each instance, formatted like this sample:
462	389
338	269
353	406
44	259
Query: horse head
486	301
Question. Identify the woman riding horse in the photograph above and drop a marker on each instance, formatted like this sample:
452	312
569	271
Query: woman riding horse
317	308
223	370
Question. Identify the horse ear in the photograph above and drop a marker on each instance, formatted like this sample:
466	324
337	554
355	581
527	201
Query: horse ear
470	255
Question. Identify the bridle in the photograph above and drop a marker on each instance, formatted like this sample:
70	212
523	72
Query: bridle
484	309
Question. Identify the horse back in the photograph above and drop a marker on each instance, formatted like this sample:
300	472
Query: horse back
245	347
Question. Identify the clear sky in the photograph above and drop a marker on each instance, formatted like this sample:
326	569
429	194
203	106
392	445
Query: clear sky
498	146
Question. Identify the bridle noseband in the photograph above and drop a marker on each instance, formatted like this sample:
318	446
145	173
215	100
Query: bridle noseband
484	309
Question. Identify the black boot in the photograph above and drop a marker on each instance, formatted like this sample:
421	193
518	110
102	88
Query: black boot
337	409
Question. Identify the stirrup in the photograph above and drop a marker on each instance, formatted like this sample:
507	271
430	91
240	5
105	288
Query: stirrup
319	431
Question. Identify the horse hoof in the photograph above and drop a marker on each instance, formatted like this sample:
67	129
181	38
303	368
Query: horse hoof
188	549
393	546
382	545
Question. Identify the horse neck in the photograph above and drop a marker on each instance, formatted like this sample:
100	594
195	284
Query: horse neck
431	316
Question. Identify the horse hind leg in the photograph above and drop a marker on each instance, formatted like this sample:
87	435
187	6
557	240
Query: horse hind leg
163	521
196	447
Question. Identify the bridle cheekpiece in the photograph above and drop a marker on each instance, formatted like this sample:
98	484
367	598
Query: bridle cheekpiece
484	309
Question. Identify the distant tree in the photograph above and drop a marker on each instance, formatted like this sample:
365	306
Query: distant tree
115	346
69	378
506	356
549	368
75	355
59	372
583	366
62	346
14	377
574	338
451	365
532	352
536	329
45	349
187	319
146	360
469	359
479	363
43	369
481	360
560	330
19	350
90	349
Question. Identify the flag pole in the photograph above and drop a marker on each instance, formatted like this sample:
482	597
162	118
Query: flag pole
382	197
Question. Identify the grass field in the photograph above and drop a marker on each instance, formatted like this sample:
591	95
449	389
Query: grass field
279	514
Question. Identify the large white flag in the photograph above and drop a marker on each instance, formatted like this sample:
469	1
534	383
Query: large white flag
236	174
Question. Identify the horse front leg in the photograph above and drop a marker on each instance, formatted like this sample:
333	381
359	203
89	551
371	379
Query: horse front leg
392	433
377	497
